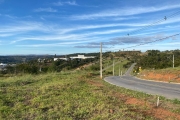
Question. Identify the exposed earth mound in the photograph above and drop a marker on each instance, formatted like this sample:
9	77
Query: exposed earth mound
166	75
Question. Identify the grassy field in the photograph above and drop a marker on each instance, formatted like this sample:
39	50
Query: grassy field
118	66
77	95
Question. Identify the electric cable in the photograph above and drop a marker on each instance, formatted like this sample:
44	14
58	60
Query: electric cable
153	41
155	23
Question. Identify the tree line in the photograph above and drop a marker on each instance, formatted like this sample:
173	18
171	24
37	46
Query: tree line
156	59
35	67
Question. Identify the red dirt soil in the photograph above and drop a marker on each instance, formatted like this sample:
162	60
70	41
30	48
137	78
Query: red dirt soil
152	110
161	76
157	112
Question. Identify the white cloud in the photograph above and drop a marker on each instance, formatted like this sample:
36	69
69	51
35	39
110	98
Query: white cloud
22	27
124	18
67	37
58	3
54	29
123	12
54	44
45	10
88	27
157	45
169	44
42	18
5	35
55	32
73	3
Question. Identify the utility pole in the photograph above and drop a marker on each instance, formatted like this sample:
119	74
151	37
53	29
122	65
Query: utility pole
15	70
101	60
119	70
173	60
113	67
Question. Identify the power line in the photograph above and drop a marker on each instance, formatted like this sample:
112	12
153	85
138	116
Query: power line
145	27
153	41
154	23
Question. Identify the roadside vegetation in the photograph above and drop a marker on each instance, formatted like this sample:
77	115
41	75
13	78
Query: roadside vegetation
40	67
157	65
78	94
155	59
120	67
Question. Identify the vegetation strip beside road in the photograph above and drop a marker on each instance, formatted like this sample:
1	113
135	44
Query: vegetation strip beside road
77	95
61	91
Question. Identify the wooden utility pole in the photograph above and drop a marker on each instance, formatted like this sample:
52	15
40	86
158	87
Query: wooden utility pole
173	60
101	60
113	67
119	70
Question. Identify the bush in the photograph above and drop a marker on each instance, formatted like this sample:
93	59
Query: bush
95	67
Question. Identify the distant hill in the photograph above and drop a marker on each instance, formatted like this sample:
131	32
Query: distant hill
21	58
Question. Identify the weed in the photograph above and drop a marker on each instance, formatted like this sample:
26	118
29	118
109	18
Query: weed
176	101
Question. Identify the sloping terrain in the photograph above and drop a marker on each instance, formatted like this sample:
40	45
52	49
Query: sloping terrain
76	96
166	75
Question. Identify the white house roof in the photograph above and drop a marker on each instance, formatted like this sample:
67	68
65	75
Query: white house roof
82	57
2	65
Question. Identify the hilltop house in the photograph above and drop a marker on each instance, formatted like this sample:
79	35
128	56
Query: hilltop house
82	57
2	66
75	57
55	59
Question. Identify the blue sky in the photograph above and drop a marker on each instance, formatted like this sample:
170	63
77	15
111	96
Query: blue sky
79	26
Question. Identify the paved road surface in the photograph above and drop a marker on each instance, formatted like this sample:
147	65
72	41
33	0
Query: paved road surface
168	90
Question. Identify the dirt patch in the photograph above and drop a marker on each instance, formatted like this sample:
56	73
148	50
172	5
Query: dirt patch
161	76
152	110
84	66
134	101
164	114
142	106
98	84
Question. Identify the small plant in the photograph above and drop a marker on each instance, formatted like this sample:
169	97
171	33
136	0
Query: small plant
176	101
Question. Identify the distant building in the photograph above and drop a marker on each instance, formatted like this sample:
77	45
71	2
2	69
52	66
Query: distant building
40	60
82	57
2	66
56	59
74	57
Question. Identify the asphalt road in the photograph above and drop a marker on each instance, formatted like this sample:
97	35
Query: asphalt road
168	90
